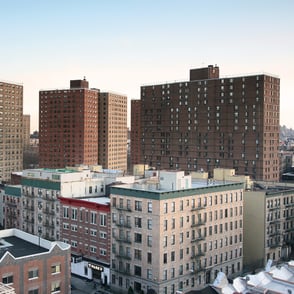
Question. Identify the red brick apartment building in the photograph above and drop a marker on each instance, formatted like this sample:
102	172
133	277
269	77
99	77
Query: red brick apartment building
210	121
85	225
82	126
68	128
135	132
33	265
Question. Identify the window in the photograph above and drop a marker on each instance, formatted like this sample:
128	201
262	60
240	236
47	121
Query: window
149	207
173	206
138	205
173	239
173	223
34	291
149	224
165	224
164	275
129	204
102	251
181	253
33	273
164	258
103	220
181	237
137	270
149	257
172	256
65	226
55	269
103	235
149	274
138	254
138	222
165	208
7	279
55	287
138	238
93	249
164	241
93	217
181	205
65	212
149	241
74	228
74	214
181	221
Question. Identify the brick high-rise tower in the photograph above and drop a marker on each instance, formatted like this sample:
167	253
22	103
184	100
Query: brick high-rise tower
113	131
68	127
11	130
210	122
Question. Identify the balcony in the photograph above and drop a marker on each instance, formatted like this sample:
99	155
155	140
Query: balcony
195	208
122	255
30	220
122	224
198	269
10	204
275	233
48	211
124	208
197	255
124	271
198	239
289	204
27	194
274	221
123	240
274	208
275	245
290	217
29	207
49	198
198	224
290	229
48	224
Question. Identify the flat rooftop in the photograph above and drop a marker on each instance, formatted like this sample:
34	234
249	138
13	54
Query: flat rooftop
154	186
19	247
99	200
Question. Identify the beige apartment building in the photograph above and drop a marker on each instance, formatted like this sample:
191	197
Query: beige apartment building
175	234
11	131
26	130
268	225
112	132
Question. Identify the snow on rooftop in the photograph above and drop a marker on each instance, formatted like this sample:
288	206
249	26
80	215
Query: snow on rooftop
279	279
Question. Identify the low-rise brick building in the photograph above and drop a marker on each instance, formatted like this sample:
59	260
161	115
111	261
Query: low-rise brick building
33	265
85	225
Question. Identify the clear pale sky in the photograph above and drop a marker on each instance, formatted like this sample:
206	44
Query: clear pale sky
121	45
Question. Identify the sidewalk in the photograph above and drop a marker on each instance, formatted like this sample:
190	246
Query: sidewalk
82	286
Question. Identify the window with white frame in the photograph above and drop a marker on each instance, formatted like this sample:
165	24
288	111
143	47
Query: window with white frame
93	217
65	212
93	249
103	220
102	251
74	214
103	235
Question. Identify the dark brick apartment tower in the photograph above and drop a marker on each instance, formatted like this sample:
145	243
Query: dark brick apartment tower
68	126
210	122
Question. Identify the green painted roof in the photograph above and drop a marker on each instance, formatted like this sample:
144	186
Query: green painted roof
162	195
13	190
44	184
